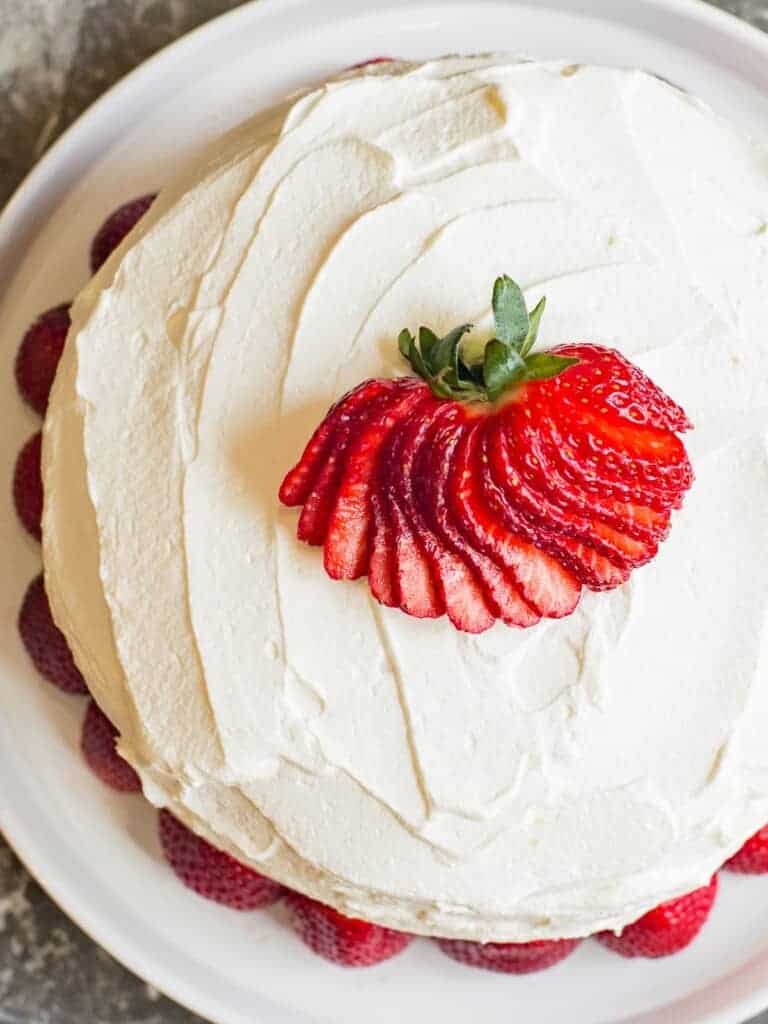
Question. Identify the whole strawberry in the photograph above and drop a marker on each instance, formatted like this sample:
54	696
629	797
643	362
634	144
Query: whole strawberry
45	643
509	957
495	485
213	873
28	486
116	227
39	354
98	742
343	940
667	928
752	858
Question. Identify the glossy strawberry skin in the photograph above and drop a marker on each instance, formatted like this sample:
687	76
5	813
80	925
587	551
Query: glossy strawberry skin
46	645
117	225
494	511
752	858
213	873
509	957
28	486
346	941
39	354
667	928
98	743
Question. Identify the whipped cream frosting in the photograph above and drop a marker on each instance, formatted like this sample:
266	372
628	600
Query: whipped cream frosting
517	785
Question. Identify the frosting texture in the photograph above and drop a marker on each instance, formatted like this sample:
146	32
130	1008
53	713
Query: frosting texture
517	785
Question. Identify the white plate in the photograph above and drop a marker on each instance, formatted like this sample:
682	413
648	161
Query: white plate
95	852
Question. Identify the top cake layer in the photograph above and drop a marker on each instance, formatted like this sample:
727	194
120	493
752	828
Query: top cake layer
515	785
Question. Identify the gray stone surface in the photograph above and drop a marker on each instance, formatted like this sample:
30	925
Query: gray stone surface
56	57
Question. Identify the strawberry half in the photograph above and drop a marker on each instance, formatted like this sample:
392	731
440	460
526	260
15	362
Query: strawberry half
495	487
213	873
347	941
667	928
509	957
752	858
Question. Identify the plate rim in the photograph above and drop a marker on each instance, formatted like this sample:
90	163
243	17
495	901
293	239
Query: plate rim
19	219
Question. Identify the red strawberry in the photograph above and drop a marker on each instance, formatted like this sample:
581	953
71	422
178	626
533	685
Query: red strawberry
752	858
45	643
494	490
98	744
28	486
344	940
213	873
667	928
116	227
509	957
39	354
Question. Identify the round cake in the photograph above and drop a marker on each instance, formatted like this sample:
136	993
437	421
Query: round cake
511	785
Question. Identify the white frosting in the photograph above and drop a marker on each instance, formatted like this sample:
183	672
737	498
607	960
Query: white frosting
516	785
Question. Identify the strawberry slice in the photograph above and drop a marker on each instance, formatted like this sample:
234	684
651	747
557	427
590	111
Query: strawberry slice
542	475
634	521
513	468
298	483
617	506
418	594
433	472
320	502
654	461
628	395
460	591
590	568
347	528
544	583
382	573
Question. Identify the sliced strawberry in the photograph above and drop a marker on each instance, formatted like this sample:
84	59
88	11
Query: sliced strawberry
433	472
348	535
648	462
418	594
588	566
637	523
544	583
297	484
512	465
461	591
542	475
382	573
314	521
628	395
417	572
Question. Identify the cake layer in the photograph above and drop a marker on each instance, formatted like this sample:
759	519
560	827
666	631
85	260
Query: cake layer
517	785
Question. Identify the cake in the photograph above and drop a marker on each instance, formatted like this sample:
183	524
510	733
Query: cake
516	785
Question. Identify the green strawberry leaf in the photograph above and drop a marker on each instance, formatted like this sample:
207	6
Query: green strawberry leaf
543	365
509	312
467	370
404	343
502	367
428	340
534	319
445	354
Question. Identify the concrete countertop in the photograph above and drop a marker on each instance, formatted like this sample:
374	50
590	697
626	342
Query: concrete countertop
56	57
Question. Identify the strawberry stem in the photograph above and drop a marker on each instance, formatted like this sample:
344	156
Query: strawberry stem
506	359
